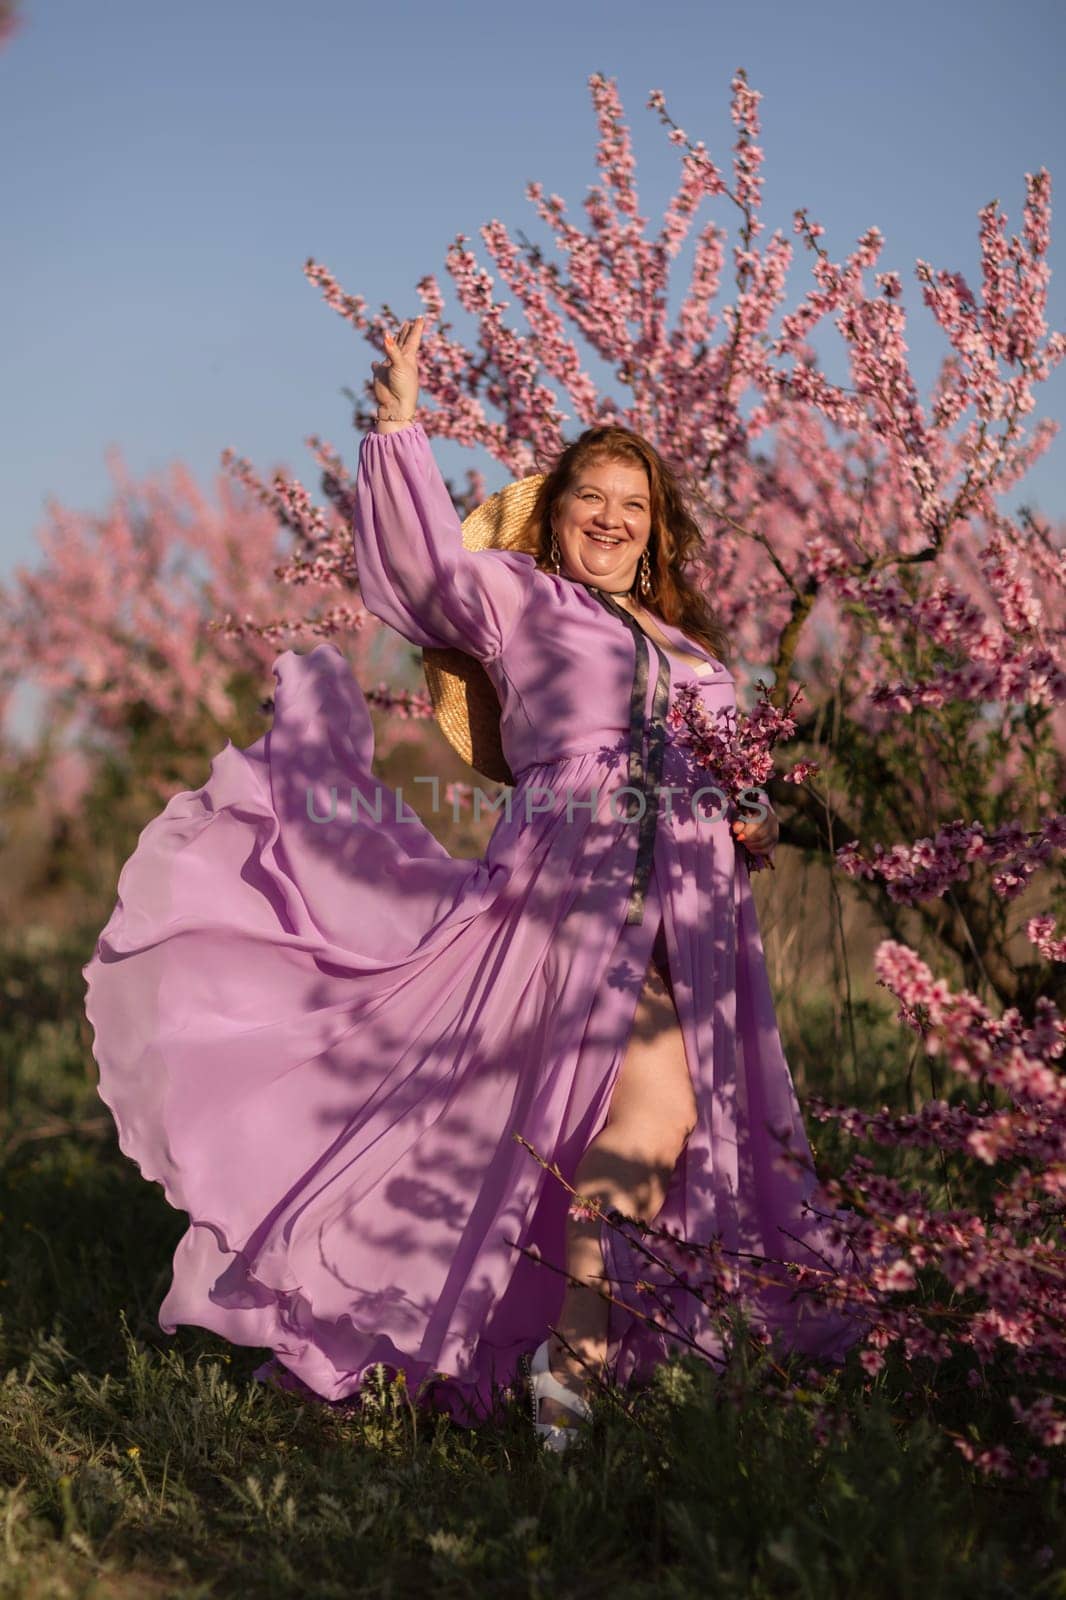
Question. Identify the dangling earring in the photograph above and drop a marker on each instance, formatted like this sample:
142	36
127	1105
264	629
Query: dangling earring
645	572
556	553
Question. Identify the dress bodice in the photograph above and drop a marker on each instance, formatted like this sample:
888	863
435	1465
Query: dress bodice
578	671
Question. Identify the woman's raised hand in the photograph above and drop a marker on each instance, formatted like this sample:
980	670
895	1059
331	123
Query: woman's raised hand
396	377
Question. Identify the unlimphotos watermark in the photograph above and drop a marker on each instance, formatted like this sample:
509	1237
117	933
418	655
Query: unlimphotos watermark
538	800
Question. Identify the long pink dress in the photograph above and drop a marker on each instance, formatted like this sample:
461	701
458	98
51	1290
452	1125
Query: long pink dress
319	1031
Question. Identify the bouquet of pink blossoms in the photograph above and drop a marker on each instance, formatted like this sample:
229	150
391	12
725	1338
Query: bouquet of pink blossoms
736	746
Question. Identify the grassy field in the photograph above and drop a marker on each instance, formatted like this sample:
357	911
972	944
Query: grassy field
134	1464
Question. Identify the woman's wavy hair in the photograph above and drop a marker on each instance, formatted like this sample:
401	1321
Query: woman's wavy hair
674	539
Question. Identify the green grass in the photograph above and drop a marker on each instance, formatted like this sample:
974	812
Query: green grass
133	1464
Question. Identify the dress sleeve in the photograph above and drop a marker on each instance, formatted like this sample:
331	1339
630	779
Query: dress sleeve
414	572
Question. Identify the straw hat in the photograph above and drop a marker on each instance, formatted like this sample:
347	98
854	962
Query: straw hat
465	702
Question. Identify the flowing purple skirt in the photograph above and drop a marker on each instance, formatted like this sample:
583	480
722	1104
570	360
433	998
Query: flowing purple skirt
321	1038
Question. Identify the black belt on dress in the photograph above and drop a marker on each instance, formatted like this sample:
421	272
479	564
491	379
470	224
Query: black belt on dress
648	779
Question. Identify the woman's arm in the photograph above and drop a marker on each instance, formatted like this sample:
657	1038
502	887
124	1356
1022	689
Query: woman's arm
414	572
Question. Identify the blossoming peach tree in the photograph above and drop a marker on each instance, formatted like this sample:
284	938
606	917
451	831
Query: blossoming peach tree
147	633
855	545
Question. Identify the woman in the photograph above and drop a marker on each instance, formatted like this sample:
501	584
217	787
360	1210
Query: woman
321	1033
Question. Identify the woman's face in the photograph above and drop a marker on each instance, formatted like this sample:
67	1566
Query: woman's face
604	524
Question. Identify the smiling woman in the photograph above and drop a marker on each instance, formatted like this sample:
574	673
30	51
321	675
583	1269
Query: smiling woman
601	531
334	1044
611	514
601	536
607	517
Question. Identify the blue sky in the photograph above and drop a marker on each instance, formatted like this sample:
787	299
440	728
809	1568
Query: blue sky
170	168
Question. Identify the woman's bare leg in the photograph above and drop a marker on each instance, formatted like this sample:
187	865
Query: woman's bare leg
628	1166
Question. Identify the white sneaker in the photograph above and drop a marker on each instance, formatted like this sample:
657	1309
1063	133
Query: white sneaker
544	1386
